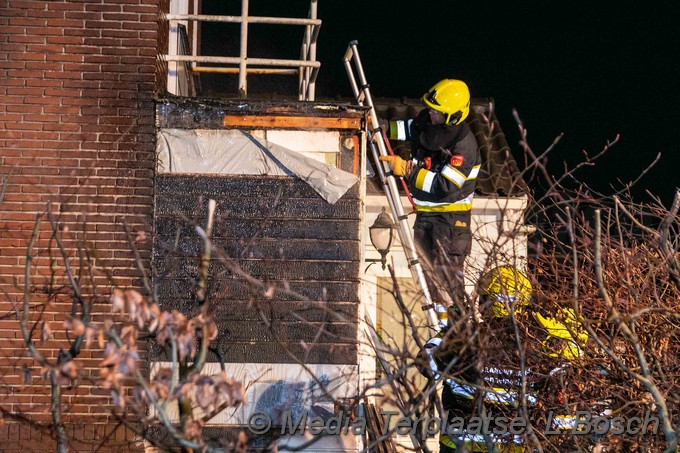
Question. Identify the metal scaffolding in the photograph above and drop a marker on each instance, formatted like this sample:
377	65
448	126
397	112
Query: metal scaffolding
306	67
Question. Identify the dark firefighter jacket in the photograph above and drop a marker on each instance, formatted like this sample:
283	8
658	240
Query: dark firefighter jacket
449	184
498	385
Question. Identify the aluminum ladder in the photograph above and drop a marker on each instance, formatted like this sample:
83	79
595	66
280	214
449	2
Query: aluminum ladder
378	146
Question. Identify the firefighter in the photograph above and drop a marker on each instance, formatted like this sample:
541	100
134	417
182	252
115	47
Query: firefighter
472	382
441	177
493	382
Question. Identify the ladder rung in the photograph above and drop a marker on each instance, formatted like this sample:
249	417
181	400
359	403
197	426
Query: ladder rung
378	140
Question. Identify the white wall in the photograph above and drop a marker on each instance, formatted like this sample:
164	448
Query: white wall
497	229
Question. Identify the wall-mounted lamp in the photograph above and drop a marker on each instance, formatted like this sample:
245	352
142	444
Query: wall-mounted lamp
381	234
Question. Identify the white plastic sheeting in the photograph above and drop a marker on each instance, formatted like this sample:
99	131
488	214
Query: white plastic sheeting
236	152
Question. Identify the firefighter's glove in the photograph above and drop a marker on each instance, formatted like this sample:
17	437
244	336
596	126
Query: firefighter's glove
399	166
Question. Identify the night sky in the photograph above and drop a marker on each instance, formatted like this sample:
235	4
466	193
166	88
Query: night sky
589	70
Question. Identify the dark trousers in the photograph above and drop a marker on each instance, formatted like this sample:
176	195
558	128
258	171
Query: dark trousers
444	240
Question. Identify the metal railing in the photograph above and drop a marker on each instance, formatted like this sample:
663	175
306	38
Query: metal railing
306	68
180	75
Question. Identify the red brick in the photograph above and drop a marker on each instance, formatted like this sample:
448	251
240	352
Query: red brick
39	152
26	56
100	76
43	83
7	30
120	34
14	13
64	57
79	67
61	127
25	74
82	31
72	114
130	17
27	22
101	59
61	109
119	68
25	91
41	135
83	15
26	39
65	23
11	117
41	100
23	108
104	7
13	65
43	66
132	50
18	125
151	9
66	40
44	49
138	43
79	137
66	6
62	91
80	83
25	4
40	31
47	14
74	171
43	118
101	24
62	75
25	144
75	49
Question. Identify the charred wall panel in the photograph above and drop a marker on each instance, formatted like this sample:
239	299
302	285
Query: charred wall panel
286	272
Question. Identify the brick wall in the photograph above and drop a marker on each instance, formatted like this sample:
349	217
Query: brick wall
77	81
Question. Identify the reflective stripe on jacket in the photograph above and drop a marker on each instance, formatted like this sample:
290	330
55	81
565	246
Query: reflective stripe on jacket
445	187
449	184
500	387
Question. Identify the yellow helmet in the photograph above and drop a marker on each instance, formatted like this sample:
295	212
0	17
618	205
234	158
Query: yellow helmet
451	97
565	334
504	286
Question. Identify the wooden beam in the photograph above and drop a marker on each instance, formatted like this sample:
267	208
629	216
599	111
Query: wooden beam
291	122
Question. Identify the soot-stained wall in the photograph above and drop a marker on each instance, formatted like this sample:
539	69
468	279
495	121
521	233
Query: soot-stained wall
285	276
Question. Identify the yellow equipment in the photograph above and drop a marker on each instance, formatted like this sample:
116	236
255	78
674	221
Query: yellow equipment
565	334
505	286
451	97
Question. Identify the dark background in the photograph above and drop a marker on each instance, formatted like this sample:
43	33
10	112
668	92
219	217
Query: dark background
588	70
